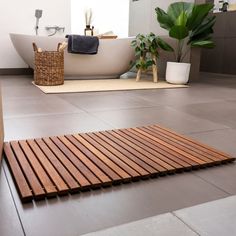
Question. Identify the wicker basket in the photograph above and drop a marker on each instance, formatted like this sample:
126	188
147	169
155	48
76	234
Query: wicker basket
49	67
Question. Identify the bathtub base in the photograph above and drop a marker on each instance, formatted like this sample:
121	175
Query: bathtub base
111	61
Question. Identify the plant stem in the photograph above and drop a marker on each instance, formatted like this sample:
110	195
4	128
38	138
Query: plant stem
179	48
176	51
185	54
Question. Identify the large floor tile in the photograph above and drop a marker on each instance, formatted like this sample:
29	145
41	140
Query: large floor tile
181	96
16	80
219	112
95	210
49	125
218	79
106	101
216	218
222	176
9	220
162	115
224	139
21	92
163	225
37	106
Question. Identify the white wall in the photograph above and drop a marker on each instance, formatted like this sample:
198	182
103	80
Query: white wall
143	16
108	15
18	17
139	17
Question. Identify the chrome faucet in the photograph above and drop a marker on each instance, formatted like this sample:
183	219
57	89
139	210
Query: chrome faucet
55	28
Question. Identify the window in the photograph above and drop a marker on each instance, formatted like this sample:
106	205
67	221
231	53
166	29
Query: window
108	15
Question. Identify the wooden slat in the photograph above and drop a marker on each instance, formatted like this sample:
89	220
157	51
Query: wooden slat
97	157
199	146
99	151
81	180
145	158
122	168
66	176
194	160
141	163
58	165
189	148
23	188
70	152
153	144
132	166
55	177
158	158
46	182
177	148
164	156
28	171
96	170
182	147
148	143
169	147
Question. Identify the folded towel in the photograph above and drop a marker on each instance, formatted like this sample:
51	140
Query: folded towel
82	44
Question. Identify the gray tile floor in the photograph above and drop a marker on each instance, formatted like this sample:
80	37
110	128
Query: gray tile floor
192	111
214	218
161	225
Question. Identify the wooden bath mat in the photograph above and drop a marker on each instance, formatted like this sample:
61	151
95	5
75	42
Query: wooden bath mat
53	166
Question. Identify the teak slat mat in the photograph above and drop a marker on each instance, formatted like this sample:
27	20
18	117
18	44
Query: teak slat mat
54	166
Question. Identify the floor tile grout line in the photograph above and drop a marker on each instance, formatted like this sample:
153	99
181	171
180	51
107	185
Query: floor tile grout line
43	115
175	107
185	223
14	202
102	120
207	131
119	109
221	189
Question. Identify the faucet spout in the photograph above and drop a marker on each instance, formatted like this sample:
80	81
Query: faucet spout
55	29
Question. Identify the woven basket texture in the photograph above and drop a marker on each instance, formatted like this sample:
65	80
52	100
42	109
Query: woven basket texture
49	68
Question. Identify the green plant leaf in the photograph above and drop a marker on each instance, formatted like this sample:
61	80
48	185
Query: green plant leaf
198	15
178	32
163	45
164	20
199	38
204	36
187	21
204	44
182	19
205	27
149	63
178	8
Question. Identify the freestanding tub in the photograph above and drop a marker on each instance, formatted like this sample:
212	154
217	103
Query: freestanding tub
112	60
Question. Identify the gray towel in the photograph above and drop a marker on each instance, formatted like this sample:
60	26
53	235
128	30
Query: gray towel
82	44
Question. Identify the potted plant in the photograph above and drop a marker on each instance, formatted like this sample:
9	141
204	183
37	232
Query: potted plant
191	26
146	52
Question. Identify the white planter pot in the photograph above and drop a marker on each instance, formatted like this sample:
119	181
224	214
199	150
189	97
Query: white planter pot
177	72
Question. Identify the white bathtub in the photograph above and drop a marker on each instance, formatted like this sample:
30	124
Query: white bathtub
111	61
